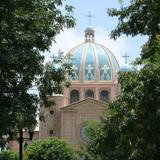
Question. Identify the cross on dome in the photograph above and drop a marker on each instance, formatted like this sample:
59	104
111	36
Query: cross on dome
74	67
89	68
105	74
74	73
89	75
126	57
105	68
89	16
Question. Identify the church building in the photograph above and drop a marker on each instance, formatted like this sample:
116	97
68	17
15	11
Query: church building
93	84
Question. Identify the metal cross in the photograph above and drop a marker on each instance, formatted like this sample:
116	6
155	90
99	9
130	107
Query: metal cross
126	57
89	16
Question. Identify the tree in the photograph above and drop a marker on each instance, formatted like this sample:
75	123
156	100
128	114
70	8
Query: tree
54	78
140	17
130	127
84	154
27	29
90	132
51	149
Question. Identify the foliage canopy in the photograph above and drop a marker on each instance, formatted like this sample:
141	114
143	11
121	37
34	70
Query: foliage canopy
27	28
51	149
130	127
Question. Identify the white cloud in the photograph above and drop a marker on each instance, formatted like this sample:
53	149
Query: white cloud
67	39
118	47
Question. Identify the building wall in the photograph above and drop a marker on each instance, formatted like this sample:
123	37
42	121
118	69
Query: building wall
64	120
75	116
50	126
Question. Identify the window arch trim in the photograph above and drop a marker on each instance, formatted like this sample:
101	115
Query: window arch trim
104	95
89	93
74	96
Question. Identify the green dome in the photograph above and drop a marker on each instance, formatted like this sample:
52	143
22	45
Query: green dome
93	62
125	68
89	28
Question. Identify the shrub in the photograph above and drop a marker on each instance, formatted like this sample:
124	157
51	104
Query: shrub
8	155
84	154
51	149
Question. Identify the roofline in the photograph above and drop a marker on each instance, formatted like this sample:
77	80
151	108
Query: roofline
86	99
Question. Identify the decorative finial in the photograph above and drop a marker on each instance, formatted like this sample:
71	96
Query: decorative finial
126	57
89	16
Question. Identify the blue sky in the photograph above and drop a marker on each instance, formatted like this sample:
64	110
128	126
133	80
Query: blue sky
102	25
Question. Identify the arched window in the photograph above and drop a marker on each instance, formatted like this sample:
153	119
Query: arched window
83	133
89	93
74	96
104	96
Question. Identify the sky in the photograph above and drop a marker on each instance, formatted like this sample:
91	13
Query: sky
102	24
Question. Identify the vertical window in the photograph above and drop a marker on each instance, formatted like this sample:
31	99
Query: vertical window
104	96
89	93
74	96
51	132
83	133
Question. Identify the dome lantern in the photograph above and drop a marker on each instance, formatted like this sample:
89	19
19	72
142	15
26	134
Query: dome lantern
89	34
89	31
